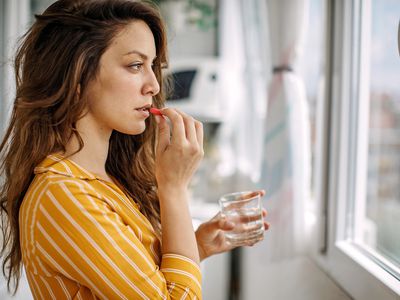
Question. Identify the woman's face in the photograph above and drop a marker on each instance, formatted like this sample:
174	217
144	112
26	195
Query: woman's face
125	83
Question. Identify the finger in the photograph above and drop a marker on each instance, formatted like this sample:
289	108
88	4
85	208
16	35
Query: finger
163	134
264	212
190	129
266	225
178	126
261	238
246	228
221	222
224	224
262	193
249	195
244	218
199	133
253	242
253	194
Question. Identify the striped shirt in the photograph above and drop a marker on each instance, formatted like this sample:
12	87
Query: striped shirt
83	238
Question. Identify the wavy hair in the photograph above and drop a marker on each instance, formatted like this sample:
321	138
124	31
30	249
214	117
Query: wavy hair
59	53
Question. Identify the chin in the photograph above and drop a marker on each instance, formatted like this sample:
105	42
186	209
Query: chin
134	128
134	131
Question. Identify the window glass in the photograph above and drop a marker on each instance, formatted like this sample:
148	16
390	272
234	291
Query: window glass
382	226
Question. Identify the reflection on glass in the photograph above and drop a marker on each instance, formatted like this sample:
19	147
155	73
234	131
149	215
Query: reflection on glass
381	231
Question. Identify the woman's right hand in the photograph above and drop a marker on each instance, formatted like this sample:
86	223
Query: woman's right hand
179	149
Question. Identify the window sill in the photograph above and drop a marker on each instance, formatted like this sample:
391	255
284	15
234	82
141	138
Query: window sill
375	275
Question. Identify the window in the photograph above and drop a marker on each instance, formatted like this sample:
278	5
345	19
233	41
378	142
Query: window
362	157
382	213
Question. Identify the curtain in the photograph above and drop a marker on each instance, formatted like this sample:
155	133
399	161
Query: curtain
286	166
243	89
265	138
266	144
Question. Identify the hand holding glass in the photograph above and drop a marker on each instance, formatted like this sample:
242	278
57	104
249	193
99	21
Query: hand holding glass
244	209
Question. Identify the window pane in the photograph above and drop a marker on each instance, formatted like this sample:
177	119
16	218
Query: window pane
383	185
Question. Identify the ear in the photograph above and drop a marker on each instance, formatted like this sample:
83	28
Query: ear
78	90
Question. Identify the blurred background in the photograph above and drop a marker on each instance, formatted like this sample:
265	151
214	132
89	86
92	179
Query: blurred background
297	97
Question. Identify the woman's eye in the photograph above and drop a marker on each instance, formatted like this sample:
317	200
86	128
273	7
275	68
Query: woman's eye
136	66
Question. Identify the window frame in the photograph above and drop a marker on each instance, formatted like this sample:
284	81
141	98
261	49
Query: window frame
344	156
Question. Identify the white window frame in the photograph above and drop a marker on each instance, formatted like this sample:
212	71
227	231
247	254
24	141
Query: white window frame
343	157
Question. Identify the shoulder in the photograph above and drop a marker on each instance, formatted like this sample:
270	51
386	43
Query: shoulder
46	190
50	183
59	177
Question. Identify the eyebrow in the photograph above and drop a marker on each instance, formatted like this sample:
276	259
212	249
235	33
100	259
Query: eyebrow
142	55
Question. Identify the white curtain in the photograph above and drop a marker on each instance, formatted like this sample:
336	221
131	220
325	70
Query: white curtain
286	165
286	151
243	89
266	144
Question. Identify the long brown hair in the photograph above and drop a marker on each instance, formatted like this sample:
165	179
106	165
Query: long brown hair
58	54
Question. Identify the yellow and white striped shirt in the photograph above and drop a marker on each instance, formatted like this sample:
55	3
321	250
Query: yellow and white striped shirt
83	238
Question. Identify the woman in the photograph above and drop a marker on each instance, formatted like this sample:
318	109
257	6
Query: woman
95	197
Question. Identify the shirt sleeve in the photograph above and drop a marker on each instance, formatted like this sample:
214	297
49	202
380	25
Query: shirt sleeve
80	236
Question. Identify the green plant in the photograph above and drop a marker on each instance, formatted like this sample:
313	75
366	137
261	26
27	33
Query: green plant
198	13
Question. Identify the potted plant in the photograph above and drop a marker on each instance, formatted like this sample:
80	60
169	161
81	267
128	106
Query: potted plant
179	13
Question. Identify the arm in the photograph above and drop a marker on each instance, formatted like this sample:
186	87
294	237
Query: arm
178	154
81	237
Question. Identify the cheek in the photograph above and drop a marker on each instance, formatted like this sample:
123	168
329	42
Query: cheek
121	83
113	97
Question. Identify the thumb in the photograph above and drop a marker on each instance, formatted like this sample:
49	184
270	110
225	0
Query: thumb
163	133
219	223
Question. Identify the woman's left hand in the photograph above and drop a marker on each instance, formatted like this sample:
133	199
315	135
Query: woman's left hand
211	238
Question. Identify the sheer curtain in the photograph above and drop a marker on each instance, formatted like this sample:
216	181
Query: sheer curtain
286	161
287	164
243	62
266	144
266	135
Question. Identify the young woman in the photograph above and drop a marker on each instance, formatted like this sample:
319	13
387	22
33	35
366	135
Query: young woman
95	193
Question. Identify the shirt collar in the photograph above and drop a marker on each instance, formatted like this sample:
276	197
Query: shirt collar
58	164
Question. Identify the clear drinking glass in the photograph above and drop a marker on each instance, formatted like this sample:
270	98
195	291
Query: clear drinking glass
244	209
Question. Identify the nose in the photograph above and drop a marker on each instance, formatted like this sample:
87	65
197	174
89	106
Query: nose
151	85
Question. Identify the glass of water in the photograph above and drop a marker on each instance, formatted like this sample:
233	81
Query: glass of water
244	209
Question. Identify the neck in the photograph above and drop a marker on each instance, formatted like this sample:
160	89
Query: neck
94	153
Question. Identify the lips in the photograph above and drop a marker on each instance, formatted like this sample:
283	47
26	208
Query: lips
143	108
